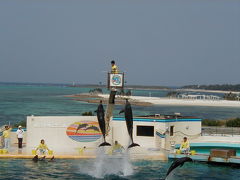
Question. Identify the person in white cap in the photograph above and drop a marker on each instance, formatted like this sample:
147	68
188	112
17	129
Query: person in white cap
20	133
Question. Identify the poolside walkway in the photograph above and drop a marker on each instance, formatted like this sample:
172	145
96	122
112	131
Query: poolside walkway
16	153
25	156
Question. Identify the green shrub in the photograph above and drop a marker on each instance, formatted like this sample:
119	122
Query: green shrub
230	96
21	123
124	93
233	122
172	94
96	91
87	113
208	122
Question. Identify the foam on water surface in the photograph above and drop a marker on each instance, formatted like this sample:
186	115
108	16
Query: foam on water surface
106	164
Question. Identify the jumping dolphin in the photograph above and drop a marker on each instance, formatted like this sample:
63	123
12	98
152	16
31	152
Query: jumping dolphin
101	122
129	121
178	162
81	126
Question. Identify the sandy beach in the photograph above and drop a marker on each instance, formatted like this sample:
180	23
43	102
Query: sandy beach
210	91
148	101
182	102
95	98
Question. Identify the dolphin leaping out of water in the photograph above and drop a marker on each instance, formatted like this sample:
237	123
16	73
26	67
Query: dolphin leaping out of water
129	121
101	122
178	162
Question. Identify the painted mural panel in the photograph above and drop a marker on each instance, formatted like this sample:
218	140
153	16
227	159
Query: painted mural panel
84	131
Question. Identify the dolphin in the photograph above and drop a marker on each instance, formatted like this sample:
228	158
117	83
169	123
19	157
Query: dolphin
81	126
129	121
178	162
35	158
101	122
52	159
93	128
43	158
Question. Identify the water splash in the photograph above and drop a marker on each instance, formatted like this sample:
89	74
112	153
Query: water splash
105	165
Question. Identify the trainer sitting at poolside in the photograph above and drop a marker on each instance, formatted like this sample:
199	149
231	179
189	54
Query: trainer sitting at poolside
185	146
42	147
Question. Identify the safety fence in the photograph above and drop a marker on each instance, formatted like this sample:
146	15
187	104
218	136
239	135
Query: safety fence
217	130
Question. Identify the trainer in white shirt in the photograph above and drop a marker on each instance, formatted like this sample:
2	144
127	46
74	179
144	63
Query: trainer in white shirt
20	133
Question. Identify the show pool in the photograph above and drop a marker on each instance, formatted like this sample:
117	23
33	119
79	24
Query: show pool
84	169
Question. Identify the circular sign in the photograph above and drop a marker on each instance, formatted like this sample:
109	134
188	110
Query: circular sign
84	131
116	80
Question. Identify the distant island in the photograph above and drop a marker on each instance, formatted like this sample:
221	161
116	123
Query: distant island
220	87
153	87
100	85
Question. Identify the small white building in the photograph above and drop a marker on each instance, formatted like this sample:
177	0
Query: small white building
66	134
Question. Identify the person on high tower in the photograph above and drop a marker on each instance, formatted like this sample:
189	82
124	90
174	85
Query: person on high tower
114	67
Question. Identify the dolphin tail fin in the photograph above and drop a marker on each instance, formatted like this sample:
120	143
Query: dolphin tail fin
133	145
121	111
104	144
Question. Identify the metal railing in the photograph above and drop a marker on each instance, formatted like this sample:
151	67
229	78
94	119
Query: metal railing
217	130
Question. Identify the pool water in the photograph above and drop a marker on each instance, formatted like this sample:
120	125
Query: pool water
74	169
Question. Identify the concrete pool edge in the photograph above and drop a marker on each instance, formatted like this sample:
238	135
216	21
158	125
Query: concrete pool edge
205	158
27	156
21	156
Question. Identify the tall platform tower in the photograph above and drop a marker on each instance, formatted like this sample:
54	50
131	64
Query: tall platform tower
115	83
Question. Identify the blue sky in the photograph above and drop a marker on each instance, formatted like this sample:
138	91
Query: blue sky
155	42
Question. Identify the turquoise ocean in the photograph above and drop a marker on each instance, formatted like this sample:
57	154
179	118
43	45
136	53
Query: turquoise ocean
18	101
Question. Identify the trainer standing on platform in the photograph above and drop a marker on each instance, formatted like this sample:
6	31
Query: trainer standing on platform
6	136
20	133
114	67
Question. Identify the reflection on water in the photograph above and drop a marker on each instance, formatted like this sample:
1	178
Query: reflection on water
81	169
